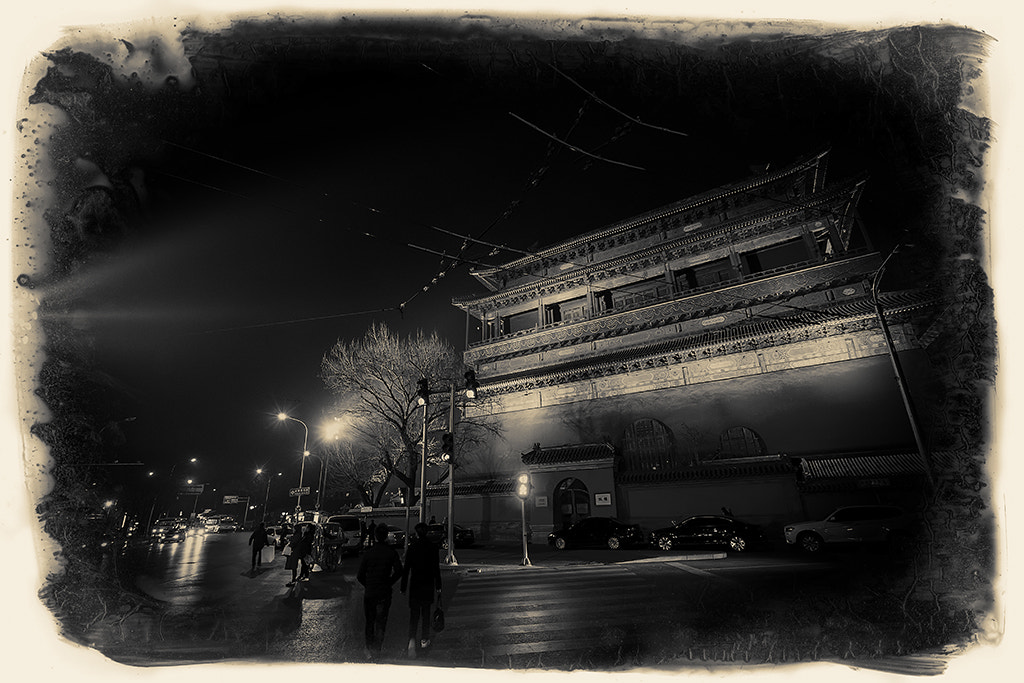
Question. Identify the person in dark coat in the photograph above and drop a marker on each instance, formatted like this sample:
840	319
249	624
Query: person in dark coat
257	540
305	549
379	569
421	576
301	544
370	532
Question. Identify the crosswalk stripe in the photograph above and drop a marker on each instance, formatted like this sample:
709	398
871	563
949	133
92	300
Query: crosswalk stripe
509	589
520	613
688	568
539	606
560	574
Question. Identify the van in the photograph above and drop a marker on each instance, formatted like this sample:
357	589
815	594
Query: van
351	530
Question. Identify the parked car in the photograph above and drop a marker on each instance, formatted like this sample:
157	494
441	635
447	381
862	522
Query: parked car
597	531
352	530
708	531
396	536
463	536
853	524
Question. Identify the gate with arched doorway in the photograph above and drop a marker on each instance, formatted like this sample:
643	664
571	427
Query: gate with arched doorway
572	503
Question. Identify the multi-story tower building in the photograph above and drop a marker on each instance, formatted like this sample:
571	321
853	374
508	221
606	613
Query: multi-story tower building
721	351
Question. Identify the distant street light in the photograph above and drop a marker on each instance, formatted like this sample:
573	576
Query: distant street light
170	476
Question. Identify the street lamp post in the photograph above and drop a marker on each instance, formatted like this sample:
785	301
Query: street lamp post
266	498
302	469
897	367
425	402
450	558
170	476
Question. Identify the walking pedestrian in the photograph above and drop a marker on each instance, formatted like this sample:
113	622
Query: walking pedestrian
370	535
257	540
379	569
305	549
421	576
301	544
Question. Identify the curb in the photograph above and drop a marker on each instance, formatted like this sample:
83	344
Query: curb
471	568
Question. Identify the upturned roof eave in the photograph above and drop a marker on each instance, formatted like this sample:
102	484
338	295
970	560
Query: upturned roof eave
654	214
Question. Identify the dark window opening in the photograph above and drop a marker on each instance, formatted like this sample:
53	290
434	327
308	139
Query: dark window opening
520	322
776	256
714	272
740	442
647	446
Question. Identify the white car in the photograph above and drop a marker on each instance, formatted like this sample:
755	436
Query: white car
852	524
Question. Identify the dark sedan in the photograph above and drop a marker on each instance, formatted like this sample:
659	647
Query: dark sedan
707	531
597	531
438	533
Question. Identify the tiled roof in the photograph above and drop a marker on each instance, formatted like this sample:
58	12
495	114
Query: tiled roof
705	471
745	185
814	469
575	453
471	488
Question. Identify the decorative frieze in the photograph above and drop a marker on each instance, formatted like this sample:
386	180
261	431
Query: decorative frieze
665	313
808	346
720	237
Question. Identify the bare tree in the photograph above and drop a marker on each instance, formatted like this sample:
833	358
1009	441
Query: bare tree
375	378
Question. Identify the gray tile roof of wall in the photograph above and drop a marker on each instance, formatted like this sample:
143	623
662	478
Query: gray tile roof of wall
708	471
470	488
892	464
574	453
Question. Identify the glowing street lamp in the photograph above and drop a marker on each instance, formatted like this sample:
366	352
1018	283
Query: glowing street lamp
302	470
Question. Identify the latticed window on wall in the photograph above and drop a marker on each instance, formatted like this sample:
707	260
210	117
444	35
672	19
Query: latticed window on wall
740	442
647	446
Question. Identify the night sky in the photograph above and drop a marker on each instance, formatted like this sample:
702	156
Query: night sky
296	182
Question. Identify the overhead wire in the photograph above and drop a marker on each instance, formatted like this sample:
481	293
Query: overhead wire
454	259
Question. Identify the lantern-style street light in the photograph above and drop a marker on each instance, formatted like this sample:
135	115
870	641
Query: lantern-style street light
523	489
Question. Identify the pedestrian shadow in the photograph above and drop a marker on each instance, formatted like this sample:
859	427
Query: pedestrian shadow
252	574
282	615
324	587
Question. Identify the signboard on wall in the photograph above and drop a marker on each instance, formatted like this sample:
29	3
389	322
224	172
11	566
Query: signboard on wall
602	499
541	501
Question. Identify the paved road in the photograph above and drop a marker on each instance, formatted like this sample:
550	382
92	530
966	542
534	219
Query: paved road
585	608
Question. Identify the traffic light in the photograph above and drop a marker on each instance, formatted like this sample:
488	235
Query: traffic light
471	384
523	486
447	446
423	391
